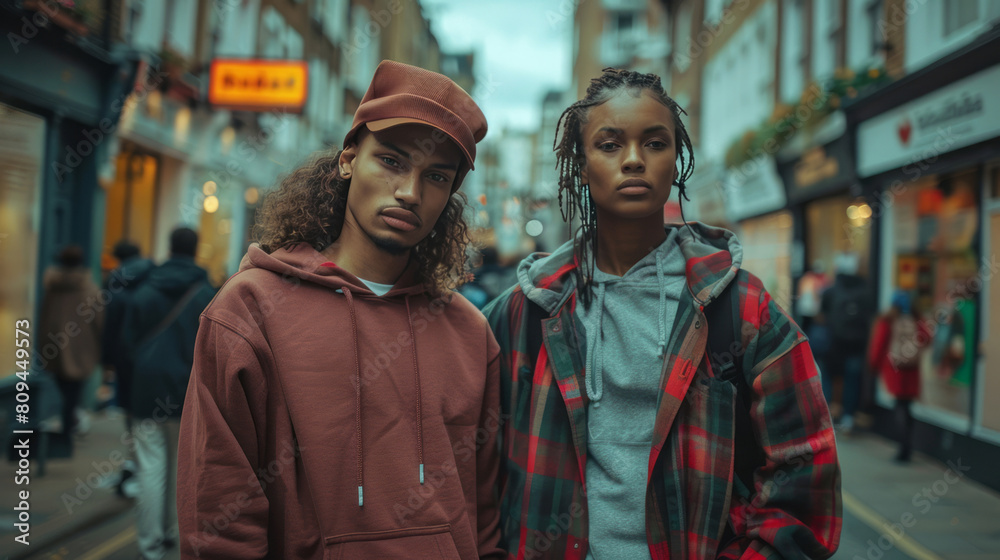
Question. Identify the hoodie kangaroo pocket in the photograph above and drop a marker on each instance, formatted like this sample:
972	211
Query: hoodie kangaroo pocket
418	542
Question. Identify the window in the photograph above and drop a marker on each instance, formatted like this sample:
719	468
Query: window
22	159
683	48
793	59
836	32
958	14
873	17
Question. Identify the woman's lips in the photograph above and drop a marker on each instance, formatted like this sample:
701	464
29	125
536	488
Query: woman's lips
634	187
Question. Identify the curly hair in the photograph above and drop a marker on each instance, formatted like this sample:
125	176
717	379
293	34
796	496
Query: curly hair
574	197
309	207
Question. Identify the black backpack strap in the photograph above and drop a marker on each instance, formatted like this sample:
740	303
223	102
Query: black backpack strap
535	316
723	315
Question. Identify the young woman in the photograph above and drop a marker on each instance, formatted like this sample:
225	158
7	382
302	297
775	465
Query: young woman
894	353
622	440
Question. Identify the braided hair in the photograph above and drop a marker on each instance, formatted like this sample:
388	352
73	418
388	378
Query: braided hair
574	197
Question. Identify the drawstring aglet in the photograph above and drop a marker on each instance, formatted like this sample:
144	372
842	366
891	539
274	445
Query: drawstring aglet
663	348
421	473
361	496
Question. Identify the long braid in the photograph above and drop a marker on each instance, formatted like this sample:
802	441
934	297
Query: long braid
574	199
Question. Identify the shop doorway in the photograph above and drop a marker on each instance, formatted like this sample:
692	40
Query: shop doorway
130	207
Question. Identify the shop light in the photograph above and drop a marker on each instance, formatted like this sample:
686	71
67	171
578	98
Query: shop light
865	211
209	188
154	105
211	204
534	228
251	195
852	212
182	126
227	138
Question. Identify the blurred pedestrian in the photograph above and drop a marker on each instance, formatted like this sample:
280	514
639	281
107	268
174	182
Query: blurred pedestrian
898	336
343	402
121	285
811	286
161	323
847	310
641	365
70	324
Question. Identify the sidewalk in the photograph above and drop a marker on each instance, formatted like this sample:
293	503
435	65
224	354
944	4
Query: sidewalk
932	512
74	495
924	509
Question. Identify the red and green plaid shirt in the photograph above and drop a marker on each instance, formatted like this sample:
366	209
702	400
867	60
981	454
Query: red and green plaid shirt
794	507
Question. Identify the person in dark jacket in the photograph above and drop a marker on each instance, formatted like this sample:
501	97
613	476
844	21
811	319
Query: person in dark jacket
121	285
162	323
847	310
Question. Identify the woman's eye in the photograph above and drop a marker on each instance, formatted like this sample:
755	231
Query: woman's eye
389	161
437	177
657	144
607	146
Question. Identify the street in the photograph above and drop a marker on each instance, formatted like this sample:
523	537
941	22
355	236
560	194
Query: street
925	510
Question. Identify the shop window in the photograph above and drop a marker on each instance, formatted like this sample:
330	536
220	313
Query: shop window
22	149
837	225
767	246
130	204
215	230
936	259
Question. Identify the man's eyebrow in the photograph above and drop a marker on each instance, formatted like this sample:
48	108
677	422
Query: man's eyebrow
405	154
394	148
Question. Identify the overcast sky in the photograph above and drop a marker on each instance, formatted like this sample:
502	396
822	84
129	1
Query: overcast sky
522	51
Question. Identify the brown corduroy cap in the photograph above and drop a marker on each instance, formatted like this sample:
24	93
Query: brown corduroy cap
404	94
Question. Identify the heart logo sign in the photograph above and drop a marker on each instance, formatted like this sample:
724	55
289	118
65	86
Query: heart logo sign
904	131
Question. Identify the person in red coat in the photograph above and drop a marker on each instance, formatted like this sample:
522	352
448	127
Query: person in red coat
894	353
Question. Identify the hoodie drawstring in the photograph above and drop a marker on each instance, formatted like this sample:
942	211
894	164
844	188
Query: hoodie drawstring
416	380
357	414
663	304
594	378
357	407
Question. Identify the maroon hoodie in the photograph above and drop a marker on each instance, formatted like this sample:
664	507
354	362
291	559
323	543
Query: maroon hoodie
282	456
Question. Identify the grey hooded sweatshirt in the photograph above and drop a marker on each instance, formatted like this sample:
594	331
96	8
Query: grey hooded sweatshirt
626	329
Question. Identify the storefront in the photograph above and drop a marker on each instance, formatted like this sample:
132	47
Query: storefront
756	202
926	155
22	153
59	108
831	216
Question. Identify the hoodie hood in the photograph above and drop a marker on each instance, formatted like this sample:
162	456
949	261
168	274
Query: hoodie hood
62	279
713	258
175	276
304	262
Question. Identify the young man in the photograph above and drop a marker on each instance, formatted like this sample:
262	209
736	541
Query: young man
343	402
